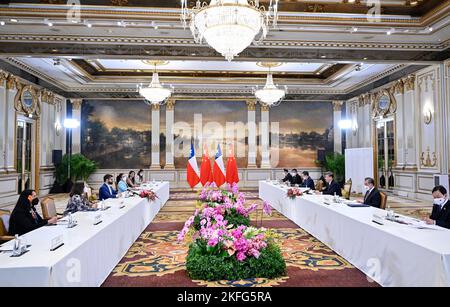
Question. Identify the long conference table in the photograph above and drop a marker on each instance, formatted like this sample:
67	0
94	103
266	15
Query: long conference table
391	254
90	252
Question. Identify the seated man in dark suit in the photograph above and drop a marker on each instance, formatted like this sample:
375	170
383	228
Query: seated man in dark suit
441	208
307	181
333	188
296	179
287	176
372	196
106	190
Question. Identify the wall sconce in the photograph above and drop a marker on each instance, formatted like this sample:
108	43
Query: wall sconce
427	114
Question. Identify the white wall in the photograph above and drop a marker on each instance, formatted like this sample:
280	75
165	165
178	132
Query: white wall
48	140
414	138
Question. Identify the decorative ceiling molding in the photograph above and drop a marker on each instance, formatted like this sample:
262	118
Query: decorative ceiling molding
61	39
173	14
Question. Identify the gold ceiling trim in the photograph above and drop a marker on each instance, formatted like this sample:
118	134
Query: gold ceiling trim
154	62
150	13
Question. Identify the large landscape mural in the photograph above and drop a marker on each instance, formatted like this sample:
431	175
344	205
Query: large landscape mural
117	133
304	128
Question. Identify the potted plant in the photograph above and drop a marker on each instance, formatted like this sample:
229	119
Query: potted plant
80	169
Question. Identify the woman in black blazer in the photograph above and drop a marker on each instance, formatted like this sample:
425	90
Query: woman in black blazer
24	217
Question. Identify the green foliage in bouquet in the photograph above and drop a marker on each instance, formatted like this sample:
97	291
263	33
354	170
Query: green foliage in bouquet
219	266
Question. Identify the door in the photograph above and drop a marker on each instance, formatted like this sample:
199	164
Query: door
25	154
385	152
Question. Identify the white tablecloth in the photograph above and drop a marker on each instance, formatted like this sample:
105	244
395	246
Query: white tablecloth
391	254
90	252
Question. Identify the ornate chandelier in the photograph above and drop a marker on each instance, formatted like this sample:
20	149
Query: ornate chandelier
155	93
229	26
270	94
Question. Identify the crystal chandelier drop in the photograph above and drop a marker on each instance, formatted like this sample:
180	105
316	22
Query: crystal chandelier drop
229	26
270	94
155	93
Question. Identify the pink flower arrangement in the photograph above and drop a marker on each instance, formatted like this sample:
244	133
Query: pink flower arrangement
149	194
211	229
292	193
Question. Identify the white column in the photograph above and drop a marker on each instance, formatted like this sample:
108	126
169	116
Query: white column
409	123
169	134
155	137
264	128
399	125
76	133
44	122
3	77
251	128
337	115
444	114
10	123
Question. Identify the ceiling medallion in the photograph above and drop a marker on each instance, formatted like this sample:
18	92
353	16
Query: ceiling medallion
229	26
270	95
155	93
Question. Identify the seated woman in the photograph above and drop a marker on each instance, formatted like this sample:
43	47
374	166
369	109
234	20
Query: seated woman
140	177
131	181
122	183
78	200
24	217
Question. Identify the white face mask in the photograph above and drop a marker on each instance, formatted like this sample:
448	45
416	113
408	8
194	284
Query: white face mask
85	190
294	174
124	178
367	188
439	201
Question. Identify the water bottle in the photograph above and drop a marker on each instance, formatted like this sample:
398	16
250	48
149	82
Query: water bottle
102	205
16	247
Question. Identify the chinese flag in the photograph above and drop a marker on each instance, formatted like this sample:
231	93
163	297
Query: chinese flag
232	175
205	169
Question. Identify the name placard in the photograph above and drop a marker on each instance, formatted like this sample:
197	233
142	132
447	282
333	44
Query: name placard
57	242
97	219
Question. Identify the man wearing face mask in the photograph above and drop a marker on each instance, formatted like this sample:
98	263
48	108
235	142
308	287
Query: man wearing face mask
24	217
106	190
372	197
296	179
441	208
287	176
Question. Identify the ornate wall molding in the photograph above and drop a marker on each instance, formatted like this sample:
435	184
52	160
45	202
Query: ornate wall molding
76	103
251	104
427	160
337	105
11	82
170	105
265	107
155	107
27	100
410	83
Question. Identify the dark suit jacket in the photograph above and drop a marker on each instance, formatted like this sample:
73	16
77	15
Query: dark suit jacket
332	188
308	183
104	192
441	216
373	198
287	178
22	221
297	179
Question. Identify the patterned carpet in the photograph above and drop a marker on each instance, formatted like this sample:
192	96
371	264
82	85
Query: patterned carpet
157	259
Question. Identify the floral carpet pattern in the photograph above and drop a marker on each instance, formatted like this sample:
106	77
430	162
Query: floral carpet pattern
157	259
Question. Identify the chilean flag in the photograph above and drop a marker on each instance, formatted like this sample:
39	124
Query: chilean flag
206	176
193	175
232	170
218	169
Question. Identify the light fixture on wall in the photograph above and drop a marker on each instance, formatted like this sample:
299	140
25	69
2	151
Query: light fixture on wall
345	124
270	94
70	124
427	114
229	26
155	93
